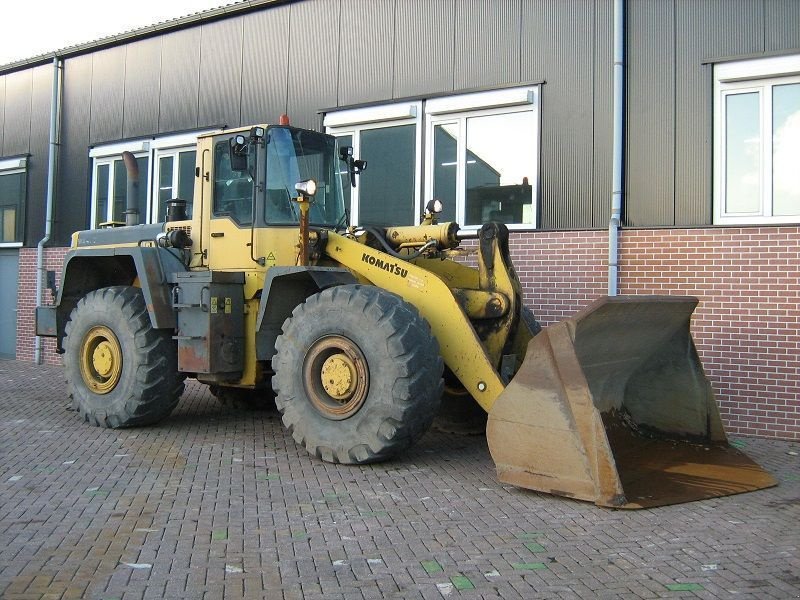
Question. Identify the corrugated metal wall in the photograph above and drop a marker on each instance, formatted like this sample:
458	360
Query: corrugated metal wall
300	57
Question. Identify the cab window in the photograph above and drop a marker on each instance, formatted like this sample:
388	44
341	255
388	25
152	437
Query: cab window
233	190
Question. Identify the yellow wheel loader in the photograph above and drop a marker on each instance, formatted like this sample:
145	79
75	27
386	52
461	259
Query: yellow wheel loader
261	285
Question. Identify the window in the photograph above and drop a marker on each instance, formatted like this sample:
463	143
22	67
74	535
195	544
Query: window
13	178
479	156
166	170
757	141
233	190
388	138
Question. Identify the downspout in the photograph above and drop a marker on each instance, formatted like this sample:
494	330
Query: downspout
51	178
617	149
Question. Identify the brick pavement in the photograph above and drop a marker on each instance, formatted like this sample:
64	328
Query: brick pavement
217	504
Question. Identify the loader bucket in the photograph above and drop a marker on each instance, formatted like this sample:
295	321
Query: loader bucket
612	406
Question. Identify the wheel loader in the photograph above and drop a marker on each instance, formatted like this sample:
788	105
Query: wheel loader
262	285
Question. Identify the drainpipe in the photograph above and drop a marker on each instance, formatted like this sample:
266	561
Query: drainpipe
617	150
51	178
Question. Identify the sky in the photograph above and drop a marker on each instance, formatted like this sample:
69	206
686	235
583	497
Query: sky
29	28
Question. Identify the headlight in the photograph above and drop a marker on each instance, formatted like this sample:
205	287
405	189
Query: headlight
307	187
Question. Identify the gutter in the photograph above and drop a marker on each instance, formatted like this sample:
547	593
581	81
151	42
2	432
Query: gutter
617	147
51	177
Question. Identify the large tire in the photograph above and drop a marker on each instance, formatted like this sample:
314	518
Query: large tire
120	371
244	398
358	374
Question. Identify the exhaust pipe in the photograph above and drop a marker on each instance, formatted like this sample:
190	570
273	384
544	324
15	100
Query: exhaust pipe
132	191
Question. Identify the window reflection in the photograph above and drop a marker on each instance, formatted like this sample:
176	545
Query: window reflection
499	165
743	153
786	149
386	188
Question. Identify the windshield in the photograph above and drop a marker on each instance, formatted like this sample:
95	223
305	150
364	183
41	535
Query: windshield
295	155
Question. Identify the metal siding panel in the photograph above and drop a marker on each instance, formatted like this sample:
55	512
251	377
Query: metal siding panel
2	108
782	19
703	30
487	43
72	197
37	164
650	151
557	47
221	73
603	90
423	54
108	89
265	65
17	131
180	78
313	67
366	61
142	82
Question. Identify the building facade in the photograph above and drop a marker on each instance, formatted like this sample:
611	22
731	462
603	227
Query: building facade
501	108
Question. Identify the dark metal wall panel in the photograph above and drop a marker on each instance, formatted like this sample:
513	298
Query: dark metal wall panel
704	30
650	155
17	130
557	47
142	82
71	208
108	90
487	43
782	25
2	109
265	65
180	79
313	64
221	73
366	54
603	90
41	99
423	55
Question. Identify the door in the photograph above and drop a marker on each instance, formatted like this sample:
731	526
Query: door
9	270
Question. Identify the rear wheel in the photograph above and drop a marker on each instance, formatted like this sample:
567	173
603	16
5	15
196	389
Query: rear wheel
120	371
358	374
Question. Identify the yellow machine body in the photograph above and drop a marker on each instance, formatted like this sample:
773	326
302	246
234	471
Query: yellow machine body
610	406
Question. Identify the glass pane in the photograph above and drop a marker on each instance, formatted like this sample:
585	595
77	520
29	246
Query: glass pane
12	198
165	164
344	176
101	200
501	163
121	190
786	149
445	168
742	153
386	188
233	190
186	166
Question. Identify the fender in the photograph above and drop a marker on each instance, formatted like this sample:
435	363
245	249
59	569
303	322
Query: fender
88	269
284	289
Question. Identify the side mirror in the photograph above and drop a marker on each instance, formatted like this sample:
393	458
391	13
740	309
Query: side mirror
238	152
354	165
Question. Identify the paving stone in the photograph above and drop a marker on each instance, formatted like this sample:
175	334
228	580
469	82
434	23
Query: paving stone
224	504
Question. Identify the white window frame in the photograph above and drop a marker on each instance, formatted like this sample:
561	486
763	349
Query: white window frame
353	121
153	149
425	114
748	76
456	110
12	166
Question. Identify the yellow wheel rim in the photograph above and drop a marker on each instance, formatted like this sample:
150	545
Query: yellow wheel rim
101	360
336	377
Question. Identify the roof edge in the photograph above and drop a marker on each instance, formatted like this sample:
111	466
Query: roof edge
177	23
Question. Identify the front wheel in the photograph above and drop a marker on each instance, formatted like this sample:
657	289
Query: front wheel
358	374
120	371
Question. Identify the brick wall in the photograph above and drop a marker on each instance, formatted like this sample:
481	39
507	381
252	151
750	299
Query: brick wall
747	326
26	302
